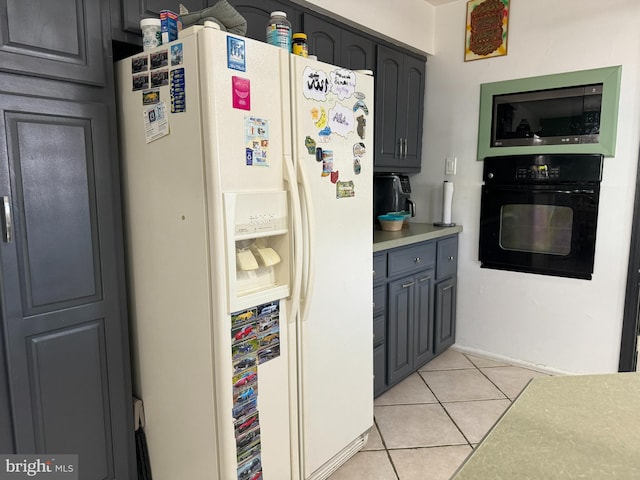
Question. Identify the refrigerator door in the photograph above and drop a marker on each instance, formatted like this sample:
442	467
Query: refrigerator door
206	419
333	144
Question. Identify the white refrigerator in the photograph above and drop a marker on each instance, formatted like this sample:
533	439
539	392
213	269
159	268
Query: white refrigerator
247	191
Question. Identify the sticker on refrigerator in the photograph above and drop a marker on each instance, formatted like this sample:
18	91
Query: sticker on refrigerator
359	149
140	81
247	425
177	91
357	168
249	469
319	117
360	105
256	141
150	97
248	444
140	64
334	176
245	379
268	332
343	83
156	124
241	93
327	162
310	144
341	121
361	128
236	59
159	78
177	54
159	59
315	84
345	189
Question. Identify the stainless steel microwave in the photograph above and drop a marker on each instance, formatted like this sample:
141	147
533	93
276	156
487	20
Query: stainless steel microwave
571	112
557	116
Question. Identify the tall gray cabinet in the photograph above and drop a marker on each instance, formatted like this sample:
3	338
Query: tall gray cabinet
64	356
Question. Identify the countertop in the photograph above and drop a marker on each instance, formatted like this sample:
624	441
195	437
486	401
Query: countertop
416	232
573	427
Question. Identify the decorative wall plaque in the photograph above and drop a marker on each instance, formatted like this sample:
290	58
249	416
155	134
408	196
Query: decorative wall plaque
486	33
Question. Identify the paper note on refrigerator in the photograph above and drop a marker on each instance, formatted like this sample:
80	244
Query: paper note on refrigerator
156	124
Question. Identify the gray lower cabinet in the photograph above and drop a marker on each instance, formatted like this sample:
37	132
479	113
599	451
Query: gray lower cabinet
419	314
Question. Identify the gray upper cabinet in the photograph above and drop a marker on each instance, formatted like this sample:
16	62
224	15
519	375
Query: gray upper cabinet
258	12
126	15
61	39
400	83
335	44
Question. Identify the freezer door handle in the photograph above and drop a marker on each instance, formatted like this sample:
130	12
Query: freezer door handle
297	238
309	260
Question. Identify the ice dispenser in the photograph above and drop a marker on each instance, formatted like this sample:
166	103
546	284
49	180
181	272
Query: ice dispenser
257	247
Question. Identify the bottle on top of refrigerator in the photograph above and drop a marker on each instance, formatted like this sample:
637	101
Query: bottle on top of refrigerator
279	30
299	46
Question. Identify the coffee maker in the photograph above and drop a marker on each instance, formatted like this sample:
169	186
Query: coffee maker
391	193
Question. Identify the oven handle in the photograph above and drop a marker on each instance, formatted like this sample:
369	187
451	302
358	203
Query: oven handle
574	191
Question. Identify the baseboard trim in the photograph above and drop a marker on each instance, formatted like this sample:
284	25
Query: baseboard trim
512	361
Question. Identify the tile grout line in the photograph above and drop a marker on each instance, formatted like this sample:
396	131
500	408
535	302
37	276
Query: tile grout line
384	444
445	410
492	382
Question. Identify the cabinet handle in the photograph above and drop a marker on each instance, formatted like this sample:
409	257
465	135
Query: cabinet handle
399	149
406	285
8	224
417	260
424	279
404	155
450	258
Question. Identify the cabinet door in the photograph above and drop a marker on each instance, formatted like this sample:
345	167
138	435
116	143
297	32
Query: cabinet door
356	51
323	39
387	85
61	39
423	319
62	314
445	321
410	112
258	12
400	329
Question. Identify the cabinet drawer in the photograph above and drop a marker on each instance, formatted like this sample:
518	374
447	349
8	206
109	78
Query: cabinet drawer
447	264
379	267
379	298
416	257
378	329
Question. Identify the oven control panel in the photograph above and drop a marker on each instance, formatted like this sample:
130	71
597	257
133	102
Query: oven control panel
538	172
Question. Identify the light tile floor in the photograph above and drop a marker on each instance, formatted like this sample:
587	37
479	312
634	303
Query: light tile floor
427	424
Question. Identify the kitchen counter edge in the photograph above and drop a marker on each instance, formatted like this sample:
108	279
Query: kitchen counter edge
416	232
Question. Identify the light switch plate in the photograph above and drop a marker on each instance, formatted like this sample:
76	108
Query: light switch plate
450	165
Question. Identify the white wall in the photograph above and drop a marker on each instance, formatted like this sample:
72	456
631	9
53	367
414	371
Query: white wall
410	22
565	324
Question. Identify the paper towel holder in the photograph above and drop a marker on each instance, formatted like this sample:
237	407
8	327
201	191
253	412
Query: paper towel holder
446	201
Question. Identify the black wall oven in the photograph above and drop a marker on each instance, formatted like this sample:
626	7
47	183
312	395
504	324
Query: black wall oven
539	213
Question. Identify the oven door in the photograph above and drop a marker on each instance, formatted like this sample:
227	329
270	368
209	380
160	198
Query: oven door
545	229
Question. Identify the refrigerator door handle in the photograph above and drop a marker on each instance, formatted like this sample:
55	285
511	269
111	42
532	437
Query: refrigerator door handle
309	258
297	239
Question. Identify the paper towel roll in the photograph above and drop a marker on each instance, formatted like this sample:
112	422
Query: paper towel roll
447	199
